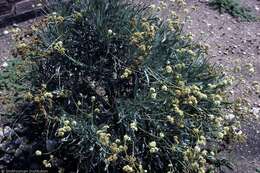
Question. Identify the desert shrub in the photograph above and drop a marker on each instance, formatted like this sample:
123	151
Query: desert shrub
233	8
113	88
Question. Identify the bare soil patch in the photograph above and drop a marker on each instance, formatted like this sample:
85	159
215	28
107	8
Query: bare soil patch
236	46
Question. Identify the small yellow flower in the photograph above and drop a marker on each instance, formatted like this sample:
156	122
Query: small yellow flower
152	90
60	134
38	153
59	47
97	110
66	122
127	138
161	135
67	128
48	95
170	119
127	72
164	88
152	144
48	165
153	95
79	103
154	150
74	123
202	140
133	126
226	130
128	169
168	69
196	130
220	135
112	158
104	138
197	149
204	152
110	32
93	98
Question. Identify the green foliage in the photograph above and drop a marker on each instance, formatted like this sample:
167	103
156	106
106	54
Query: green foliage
13	84
114	88
12	77
234	8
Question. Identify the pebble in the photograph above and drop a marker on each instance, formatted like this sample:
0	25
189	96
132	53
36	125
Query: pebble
5	64
6	32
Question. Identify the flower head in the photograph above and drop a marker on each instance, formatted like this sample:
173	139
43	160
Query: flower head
38	153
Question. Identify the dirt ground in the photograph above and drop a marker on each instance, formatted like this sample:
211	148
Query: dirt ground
234	45
5	46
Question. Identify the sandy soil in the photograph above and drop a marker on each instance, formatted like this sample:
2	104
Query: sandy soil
236	46
5	46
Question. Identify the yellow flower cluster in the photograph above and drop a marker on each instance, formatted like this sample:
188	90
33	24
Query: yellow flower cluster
168	69
104	136
191	100
127	72
47	163
42	97
186	50
115	149
217	99
142	39
196	158
133	126
77	15
65	129
177	110
153	147
55	18
170	119
128	169
38	153
59	47
192	93
22	48
173	24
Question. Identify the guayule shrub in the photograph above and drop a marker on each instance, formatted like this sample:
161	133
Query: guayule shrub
114	88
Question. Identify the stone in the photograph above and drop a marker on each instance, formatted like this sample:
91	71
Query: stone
5	7
24	6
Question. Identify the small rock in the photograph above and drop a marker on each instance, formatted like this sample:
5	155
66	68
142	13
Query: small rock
256	112
7	158
8	131
5	64
6	32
